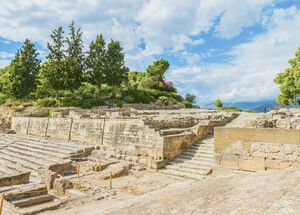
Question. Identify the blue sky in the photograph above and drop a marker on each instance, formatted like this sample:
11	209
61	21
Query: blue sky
227	49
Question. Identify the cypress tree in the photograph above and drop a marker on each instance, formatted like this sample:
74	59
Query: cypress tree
74	58
95	62
24	71
115	70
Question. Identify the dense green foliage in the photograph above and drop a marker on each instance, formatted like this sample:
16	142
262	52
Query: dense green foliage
289	82
71	77
218	103
190	98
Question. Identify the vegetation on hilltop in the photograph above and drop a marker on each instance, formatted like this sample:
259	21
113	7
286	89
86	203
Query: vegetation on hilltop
71	77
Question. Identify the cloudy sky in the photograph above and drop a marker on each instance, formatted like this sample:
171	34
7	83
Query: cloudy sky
227	49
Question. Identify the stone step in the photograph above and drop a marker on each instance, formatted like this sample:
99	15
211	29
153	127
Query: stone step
205	162
200	151
4	169
181	174
190	166
26	147
202	146
197	154
34	200
171	131
25	164
40	208
39	147
26	191
37	157
52	147
188	170
33	160
189	157
12	165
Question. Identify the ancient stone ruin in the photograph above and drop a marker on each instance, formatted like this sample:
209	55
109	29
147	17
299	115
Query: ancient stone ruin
46	161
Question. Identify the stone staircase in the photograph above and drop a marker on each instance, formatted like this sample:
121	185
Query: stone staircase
29	200
195	162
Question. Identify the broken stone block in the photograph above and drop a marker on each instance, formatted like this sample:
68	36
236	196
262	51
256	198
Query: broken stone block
61	184
47	177
117	170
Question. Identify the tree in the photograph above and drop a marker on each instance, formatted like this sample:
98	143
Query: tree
158	69
190	98
219	103
115	70
74	58
52	74
95	62
24	71
289	82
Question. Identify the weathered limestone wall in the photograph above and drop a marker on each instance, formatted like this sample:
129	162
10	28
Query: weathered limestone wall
131	136
87	130
254	149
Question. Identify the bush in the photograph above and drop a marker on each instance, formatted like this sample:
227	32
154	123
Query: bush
53	110
91	102
48	102
232	108
128	99
3	97
69	101
219	103
87	90
187	104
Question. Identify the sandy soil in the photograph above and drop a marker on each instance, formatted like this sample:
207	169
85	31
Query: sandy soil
270	192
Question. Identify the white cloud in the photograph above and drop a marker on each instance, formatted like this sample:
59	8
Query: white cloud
250	75
173	27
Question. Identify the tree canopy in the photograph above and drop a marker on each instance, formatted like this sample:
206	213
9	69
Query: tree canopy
69	76
289	82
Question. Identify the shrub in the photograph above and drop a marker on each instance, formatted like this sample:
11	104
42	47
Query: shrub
128	99
87	90
187	104
48	102
90	102
232	108
190	98
69	101
165	100
219	103
3	97
53	110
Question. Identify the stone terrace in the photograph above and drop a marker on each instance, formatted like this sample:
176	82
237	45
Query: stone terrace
19	155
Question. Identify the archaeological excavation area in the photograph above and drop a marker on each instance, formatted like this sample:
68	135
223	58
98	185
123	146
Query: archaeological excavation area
128	161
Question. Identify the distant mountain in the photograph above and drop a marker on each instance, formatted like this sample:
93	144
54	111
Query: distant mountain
256	106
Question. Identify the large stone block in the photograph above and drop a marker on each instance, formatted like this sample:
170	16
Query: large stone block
38	126
20	124
252	163
272	164
87	130
230	161
59	128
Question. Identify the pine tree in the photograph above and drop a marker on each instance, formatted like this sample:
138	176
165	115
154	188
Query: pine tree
74	58
115	70
24	71
95	62
53	70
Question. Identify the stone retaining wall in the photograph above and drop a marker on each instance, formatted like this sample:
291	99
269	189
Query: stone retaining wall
253	149
131	136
